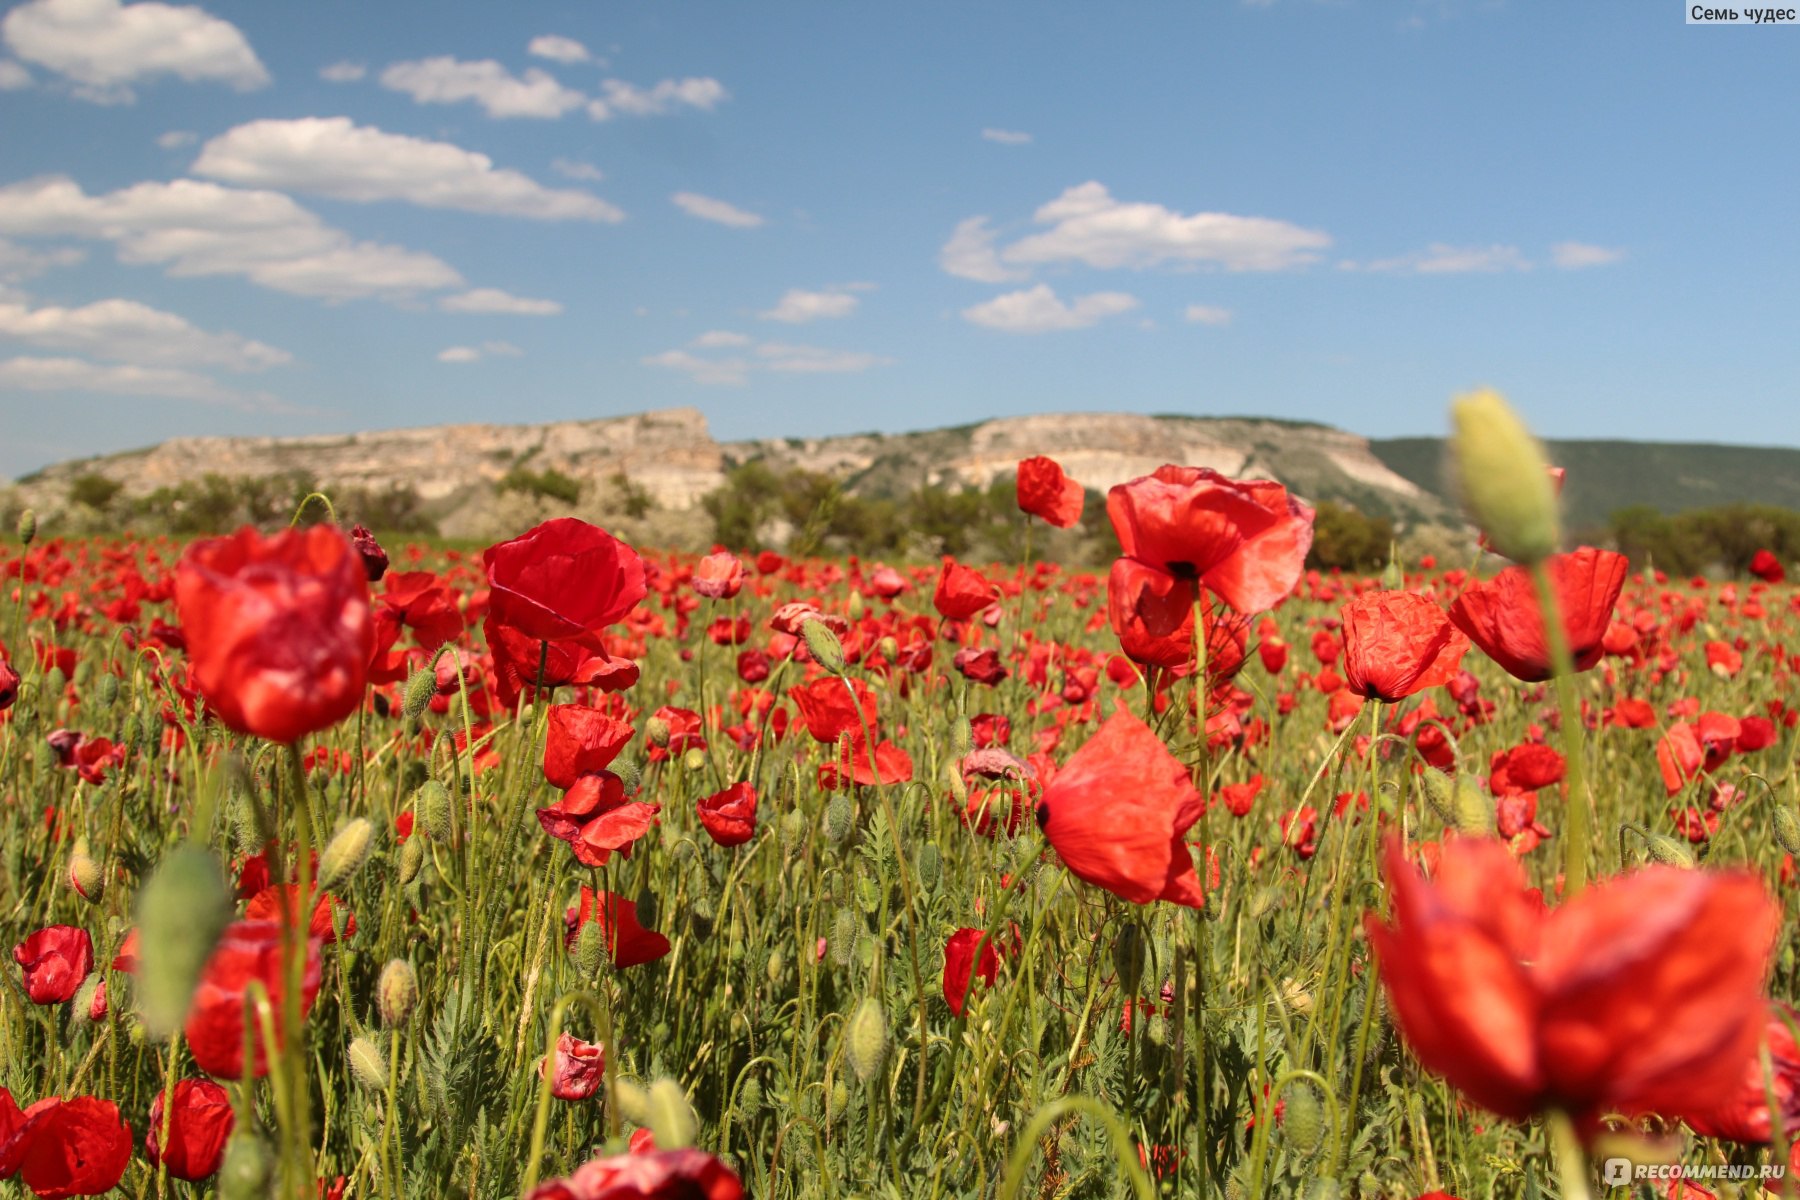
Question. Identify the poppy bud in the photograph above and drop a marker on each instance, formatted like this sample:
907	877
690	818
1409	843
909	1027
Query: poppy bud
590	949
857	606
959	787
839	819
634	1101
345	853
90	1001
85	875
421	686
823	645
247	1169
1324	1188
1504	478
750	1097
397	993
931	866
1128	958
412	858
840	1100
868	1039
700	918
694	759
773	967
1474	812
1158	1031
646	908
1669	852
793	830
368	1064
181	912
631	777
1234	1188
1392	577
1304	1122
672	1118
656	732
27	527
843	937
432	803
962	737
1440	793
889	648
108	690
1787	829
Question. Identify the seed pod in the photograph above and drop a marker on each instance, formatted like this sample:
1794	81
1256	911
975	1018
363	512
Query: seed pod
432	804
368	1064
823	645
85	875
672	1118
397	993
868	1039
590	949
27	527
345	854
181	912
1787	828
931	866
412	858
1304	1123
843	937
247	1168
1504	477
421	686
1440	793
839	818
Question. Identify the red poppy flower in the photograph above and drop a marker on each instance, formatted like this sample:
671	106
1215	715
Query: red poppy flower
562	579
730	816
1118	812
1524	768
893	764
1642	994
657	1175
278	629
1745	1117
200	1123
1766	567
719	576
580	741
374	558
55	960
961	591
1502	615
1246	541
582	661
61	1148
968	955
271	903
827	707
1679	756
580	1068
215	1025
979	665
1152	612
627	942
1397	644
1044	491
595	818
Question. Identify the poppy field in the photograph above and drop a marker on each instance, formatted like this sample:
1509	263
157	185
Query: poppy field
573	870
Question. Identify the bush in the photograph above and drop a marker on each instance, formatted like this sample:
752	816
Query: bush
549	484
95	491
1347	539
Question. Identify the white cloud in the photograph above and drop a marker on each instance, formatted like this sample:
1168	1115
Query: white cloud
557	48
781	357
501	349
718	211
30	374
798	306
446	80
493	300
1007	137
105	46
343	71
134	333
459	354
331	156
1207	314
617	96
970	254
1038	310
570	168
175	139
1573	256
13	77
1442	259
1088	226
19	263
193	228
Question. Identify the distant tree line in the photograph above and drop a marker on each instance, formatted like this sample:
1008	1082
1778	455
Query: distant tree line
1724	538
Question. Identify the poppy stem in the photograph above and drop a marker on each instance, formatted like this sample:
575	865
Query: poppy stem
295	949
1577	820
1571	1159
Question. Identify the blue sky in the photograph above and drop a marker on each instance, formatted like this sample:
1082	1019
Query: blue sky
811	218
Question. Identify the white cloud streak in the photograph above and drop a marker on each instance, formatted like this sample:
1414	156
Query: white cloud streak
719	212
1039	310
104	47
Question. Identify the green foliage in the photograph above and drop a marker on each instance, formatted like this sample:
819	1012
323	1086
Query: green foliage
94	490
1348	539
548	484
219	503
1723	538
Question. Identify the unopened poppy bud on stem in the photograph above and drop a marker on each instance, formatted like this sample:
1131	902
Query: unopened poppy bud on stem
1504	477
346	852
27	527
368	1064
1304	1121
1787	828
656	732
85	875
824	646
432	804
397	993
868	1043
421	686
672	1118
1474	811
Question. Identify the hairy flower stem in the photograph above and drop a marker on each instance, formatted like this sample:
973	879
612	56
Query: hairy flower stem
1371	983
297	1161
1578	814
1571	1160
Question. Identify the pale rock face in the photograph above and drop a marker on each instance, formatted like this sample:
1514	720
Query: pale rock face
671	455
